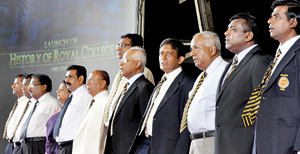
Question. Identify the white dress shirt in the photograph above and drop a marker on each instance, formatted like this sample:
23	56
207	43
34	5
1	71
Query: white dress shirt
92	133
201	114
74	115
147	73
44	110
22	101
164	88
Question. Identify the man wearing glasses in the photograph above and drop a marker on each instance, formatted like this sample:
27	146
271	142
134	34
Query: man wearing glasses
34	128
126	42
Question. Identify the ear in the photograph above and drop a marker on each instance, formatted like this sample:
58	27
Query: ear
81	78
293	23
102	84
180	60
44	87
213	50
138	64
249	36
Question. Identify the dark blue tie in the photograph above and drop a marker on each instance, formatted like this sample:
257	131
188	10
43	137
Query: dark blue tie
24	128
61	116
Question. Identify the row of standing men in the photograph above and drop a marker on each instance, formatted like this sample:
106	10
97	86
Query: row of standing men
249	105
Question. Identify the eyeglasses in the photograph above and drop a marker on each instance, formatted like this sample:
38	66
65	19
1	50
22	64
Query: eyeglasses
126	60
34	84
122	45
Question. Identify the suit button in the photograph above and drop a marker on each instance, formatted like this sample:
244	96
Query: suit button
217	107
154	119
263	98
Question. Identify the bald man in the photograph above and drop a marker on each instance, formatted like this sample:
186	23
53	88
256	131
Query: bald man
92	133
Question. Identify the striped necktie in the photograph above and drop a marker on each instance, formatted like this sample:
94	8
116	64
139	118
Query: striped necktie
92	102
158	87
116	106
189	101
233	66
107	107
14	132
24	128
8	120
252	106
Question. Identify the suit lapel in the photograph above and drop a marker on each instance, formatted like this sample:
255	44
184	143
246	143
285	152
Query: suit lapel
128	92
236	71
171	90
284	61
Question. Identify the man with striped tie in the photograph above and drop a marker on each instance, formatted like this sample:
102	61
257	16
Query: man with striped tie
199	112
131	105
15	113
241	76
278	100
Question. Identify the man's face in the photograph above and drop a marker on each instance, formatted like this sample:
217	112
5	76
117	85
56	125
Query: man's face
128	65
123	45
279	25
202	55
94	83
25	87
168	60
17	87
235	36
73	82
36	89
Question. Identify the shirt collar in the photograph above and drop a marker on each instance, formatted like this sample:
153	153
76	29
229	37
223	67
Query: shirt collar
213	65
172	75
101	94
21	99
78	90
132	79
242	54
42	98
284	48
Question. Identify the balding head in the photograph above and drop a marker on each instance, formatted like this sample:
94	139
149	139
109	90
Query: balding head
98	81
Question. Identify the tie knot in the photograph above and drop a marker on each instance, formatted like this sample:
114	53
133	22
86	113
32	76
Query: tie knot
204	74
163	79
278	53
235	59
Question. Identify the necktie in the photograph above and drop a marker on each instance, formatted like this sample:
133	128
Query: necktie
24	128
116	108
157	89
14	132
233	66
183	123
251	108
107	107
61	116
8	120
92	102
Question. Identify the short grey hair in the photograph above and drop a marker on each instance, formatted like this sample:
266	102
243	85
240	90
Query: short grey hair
139	55
211	38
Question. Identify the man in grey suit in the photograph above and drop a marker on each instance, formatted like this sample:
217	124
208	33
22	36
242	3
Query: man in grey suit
241	76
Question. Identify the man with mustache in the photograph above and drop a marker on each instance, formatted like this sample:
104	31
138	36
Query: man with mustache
72	113
241	76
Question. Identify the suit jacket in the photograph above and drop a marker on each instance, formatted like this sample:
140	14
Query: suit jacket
278	117
231	135
128	117
166	138
92	133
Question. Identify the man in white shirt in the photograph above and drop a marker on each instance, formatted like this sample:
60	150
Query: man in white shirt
162	119
130	107
92	133
34	129
68	122
15	113
206	53
126	42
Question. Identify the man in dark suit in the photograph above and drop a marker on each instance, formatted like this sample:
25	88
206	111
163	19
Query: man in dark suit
241	76
278	118
161	124
132	103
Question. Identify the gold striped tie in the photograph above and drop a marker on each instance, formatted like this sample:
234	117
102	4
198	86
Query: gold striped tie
158	87
116	106
251	108
14	132
8	120
92	102
233	66
107	107
183	123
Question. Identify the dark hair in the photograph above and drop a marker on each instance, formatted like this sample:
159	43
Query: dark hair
293	10
44	80
176	45
64	82
80	70
105	77
27	76
20	76
136	39
250	24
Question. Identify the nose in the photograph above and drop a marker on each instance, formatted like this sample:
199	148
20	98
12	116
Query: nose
118	48
192	53
57	91
88	82
226	33
13	86
269	21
